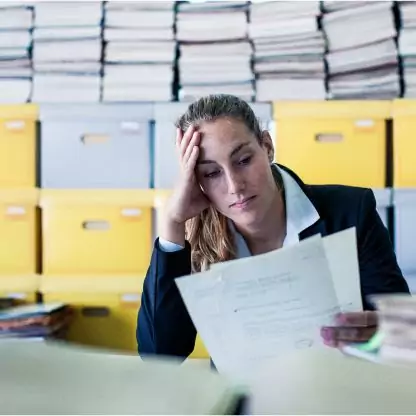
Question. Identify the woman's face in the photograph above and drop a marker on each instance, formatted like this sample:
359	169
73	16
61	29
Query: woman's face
233	170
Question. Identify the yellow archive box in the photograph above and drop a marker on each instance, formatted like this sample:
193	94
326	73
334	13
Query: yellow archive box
105	308
338	142
18	145
96	231
199	351
22	289
19	231
404	145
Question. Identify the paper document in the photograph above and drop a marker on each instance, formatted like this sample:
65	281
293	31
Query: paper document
252	310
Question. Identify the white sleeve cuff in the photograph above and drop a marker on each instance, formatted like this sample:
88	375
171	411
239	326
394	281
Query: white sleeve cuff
168	246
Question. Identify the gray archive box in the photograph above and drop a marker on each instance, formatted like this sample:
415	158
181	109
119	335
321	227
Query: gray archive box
95	146
383	201
165	162
404	201
411	281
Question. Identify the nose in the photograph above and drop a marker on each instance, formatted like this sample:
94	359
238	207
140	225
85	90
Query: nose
235	182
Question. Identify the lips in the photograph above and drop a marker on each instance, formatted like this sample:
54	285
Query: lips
242	202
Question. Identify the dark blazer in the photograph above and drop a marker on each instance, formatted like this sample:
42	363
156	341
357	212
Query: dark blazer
164	325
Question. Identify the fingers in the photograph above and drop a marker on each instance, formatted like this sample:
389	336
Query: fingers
183	139
187	145
190	148
334	336
179	136
193	157
357	319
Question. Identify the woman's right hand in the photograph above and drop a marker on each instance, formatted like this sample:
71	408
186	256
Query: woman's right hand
187	200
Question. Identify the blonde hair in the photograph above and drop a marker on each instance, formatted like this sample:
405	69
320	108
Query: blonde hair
209	233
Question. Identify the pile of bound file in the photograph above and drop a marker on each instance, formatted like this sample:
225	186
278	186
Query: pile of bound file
35	321
215	52
67	51
16	21
362	59
289	50
397	328
140	51
407	46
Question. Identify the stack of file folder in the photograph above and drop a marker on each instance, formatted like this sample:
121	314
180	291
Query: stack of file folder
67	52
397	328
215	53
140	51
289	50
362	54
37	321
15	41
407	46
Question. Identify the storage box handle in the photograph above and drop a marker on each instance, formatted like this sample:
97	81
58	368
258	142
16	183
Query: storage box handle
15	125
96	225
90	138
329	137
95	311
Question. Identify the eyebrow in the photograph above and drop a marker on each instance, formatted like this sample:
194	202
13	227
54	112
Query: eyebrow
232	153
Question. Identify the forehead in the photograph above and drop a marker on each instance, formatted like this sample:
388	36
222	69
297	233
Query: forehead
223	134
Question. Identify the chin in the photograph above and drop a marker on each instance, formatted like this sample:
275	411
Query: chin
247	218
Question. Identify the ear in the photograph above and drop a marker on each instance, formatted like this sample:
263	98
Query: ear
267	143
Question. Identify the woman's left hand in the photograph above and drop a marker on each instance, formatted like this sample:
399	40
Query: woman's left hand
350	328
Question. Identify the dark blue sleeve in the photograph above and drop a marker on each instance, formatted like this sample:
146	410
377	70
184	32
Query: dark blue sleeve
379	270
164	325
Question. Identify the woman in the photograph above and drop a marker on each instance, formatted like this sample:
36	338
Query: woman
232	202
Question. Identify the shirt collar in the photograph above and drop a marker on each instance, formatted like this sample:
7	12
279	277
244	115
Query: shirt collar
300	214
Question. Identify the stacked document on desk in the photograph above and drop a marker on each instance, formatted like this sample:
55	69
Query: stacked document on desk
64	379
34	321
407	46
250	311
15	65
289	50
67	52
214	61
397	329
363	64
140	51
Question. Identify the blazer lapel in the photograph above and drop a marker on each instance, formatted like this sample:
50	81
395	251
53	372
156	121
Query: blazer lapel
317	228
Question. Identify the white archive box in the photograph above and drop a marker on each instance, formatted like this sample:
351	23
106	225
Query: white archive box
165	160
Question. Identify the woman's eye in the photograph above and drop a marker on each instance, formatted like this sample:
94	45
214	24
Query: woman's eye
245	160
211	174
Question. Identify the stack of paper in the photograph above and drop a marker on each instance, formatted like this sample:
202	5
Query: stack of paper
215	54
140	51
288	50
45	379
38	321
397	327
407	46
363	64
15	41
253	310
67	52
